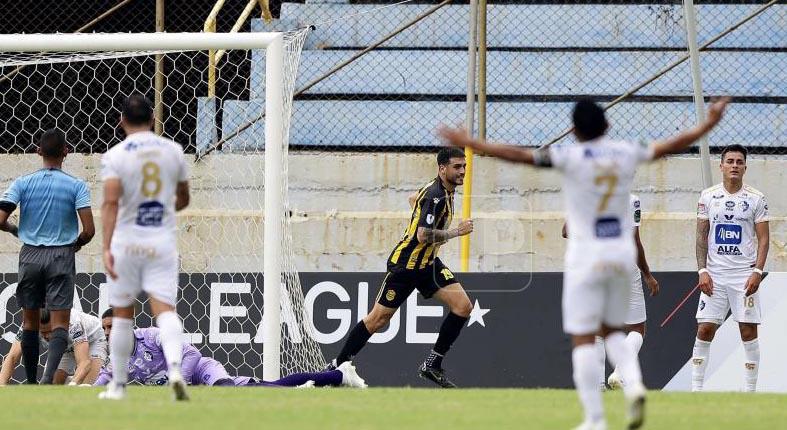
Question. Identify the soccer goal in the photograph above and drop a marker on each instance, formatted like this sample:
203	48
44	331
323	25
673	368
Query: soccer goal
235	122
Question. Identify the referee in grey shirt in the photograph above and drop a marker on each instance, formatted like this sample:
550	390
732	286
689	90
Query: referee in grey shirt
49	201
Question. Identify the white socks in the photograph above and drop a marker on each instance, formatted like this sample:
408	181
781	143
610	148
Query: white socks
171	331
602	357
121	344
752	364
586	371
634	340
625	361
699	362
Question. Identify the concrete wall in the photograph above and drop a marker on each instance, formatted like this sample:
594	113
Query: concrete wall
350	209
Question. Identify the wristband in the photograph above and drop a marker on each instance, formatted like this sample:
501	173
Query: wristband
757	270
701	271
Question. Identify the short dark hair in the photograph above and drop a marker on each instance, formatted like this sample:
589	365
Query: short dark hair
137	109
446	154
45	316
107	314
589	119
734	148
52	143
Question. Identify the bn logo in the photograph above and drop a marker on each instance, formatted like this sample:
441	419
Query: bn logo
728	234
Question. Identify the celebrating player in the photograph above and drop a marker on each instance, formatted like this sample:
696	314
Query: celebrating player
601	254
145	181
413	264
637	315
149	366
86	350
731	216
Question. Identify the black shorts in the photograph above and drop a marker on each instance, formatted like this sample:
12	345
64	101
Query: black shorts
399	283
46	277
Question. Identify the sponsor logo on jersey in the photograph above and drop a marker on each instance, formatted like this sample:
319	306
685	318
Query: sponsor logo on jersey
636	204
717	196
728	250
702	304
729	217
744	205
429	219
730	205
728	234
147	356
637	215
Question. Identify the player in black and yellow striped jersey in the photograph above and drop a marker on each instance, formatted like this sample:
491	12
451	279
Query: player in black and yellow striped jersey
413	264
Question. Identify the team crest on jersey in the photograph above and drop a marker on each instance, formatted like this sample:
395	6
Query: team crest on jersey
702	304
147	356
701	207
744	205
429	219
390	295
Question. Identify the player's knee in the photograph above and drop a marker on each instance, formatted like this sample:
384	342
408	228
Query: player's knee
748	332
463	308
706	332
376	321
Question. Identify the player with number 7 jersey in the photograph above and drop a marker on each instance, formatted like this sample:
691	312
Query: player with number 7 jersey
145	182
598	173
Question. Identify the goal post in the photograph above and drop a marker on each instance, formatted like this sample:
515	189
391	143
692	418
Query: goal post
280	289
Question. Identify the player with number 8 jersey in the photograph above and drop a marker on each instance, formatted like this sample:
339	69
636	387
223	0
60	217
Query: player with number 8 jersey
145	182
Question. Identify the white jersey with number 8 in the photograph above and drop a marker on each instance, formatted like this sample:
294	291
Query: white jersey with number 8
149	168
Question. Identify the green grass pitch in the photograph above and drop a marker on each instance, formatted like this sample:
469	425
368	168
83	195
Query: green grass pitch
376	408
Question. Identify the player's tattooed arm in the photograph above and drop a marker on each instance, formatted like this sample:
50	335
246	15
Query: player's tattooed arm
705	283
701	247
433	235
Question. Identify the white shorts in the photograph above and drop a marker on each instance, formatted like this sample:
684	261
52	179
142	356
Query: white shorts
636	313
729	295
596	293
149	265
98	349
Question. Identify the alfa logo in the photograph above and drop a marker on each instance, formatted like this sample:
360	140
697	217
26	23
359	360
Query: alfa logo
390	295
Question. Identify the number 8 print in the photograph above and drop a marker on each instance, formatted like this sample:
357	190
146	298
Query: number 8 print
151	173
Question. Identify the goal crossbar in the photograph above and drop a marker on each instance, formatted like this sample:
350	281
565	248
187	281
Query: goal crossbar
135	41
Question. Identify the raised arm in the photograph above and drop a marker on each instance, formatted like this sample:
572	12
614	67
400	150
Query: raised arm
683	140
517	154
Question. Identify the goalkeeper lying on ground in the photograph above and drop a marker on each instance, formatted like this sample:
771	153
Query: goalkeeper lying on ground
148	366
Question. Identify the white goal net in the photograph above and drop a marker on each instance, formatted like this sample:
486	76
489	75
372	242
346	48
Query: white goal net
221	120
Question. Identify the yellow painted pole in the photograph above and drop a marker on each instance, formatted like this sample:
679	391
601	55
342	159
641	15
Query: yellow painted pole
464	251
467	188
